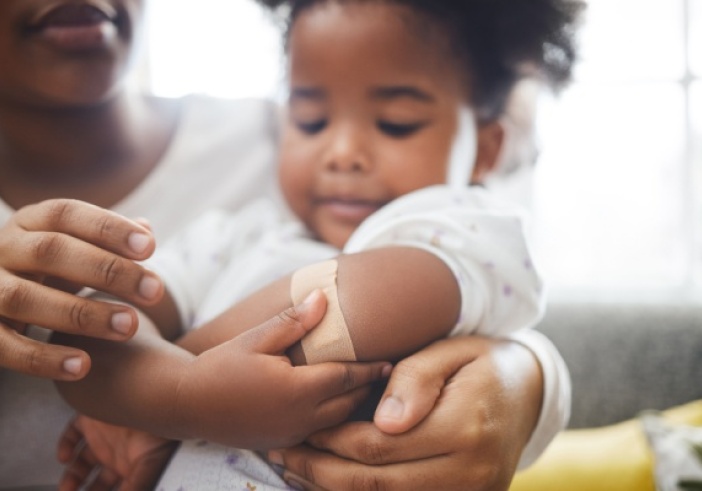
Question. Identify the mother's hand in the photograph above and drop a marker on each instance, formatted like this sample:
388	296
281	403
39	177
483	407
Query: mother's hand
482	398
50	250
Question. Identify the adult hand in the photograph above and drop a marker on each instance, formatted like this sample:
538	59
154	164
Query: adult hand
50	250
98	455
246	393
482	397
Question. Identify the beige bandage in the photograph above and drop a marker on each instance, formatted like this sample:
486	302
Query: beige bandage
330	340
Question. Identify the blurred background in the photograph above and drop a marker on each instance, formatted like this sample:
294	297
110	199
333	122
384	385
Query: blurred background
616	189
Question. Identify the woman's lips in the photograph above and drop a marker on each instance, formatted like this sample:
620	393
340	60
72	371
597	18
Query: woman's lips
76	26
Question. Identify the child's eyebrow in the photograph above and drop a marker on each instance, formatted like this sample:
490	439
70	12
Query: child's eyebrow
312	93
395	92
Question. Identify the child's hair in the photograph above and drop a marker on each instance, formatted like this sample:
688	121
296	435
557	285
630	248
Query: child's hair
497	41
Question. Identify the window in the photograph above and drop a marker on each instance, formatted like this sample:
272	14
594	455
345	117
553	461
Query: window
225	48
615	206
617	190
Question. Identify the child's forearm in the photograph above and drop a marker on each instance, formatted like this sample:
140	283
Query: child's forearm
394	300
129	383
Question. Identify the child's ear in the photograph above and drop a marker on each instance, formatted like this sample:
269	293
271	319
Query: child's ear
490	138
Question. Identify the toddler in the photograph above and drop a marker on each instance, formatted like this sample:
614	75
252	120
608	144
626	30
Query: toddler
393	111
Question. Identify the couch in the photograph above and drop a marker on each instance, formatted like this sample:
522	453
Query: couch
624	358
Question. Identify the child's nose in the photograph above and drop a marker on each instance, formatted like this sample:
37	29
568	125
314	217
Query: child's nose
347	153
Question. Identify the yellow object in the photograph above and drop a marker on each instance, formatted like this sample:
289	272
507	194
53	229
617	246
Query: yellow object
611	458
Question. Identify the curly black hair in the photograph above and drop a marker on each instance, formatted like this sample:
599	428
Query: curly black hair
498	41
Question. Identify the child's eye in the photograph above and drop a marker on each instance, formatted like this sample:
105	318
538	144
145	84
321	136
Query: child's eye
397	130
312	127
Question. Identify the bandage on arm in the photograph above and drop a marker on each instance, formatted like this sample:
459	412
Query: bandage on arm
394	301
382	304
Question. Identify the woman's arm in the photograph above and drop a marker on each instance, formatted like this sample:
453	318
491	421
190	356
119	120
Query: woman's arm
472	404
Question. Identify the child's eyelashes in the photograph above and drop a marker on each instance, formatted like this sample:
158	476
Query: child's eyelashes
312	127
394	130
400	130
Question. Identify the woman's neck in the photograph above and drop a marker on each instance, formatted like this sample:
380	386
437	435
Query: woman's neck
98	154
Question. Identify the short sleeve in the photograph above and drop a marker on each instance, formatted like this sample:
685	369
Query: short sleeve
555	406
480	238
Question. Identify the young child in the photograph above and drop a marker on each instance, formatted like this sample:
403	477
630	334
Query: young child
393	110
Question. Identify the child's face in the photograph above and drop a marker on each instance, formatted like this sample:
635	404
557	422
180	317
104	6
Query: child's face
373	113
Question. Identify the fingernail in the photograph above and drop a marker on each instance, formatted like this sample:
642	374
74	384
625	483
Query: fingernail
391	408
138	242
309	300
275	457
122	322
149	287
387	370
73	365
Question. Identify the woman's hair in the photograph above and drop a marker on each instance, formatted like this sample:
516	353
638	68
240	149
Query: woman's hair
497	41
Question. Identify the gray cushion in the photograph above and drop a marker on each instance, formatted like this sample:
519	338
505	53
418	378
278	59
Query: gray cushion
624	358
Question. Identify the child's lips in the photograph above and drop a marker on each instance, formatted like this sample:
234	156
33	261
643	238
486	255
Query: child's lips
349	210
75	26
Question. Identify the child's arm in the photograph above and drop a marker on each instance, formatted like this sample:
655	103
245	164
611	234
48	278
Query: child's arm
394	300
231	394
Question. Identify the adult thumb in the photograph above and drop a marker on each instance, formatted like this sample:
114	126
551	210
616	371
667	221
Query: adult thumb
285	329
415	386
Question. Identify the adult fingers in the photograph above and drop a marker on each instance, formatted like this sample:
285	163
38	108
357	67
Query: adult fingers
362	442
278	334
75	261
320	470
89	223
416	383
31	357
32	303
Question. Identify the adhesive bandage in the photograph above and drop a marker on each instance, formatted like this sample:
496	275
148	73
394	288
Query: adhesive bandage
330	340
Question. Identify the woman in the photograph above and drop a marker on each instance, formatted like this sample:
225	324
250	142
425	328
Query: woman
70	129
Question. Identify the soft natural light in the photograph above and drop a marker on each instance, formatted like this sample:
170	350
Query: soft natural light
616	196
225	48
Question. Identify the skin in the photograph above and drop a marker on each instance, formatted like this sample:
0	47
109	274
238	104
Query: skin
98	143
373	112
97	146
336	146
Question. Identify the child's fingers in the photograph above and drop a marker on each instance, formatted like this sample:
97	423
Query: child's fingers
333	379
278	334
338	409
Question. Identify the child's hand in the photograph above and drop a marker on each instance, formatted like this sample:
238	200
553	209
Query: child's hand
246	393
104	456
